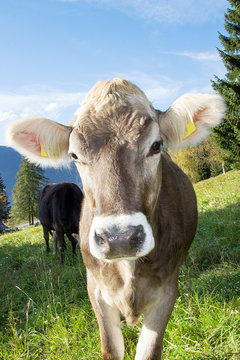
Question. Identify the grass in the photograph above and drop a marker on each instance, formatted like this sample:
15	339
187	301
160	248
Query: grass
45	312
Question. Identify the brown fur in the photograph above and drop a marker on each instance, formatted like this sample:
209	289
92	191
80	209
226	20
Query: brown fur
111	135
139	207
112	129
174	224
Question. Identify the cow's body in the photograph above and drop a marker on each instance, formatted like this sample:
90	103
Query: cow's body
139	213
147	285
59	211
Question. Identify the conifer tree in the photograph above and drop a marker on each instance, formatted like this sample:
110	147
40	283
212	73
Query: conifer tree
4	204
29	181
227	134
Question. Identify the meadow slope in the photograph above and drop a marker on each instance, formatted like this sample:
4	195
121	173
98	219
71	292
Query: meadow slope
45	312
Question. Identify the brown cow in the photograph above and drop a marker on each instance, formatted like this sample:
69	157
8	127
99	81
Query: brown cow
139	215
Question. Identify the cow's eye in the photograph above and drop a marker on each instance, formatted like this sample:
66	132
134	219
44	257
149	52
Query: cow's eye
74	156
156	147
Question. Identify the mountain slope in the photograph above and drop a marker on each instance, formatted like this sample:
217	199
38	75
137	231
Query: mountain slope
9	166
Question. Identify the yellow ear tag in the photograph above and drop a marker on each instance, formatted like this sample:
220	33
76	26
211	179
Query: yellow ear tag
43	152
190	129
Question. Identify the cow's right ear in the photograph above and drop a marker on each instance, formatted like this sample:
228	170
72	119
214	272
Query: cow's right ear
40	140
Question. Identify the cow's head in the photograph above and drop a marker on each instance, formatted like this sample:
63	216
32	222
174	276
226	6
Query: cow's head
116	141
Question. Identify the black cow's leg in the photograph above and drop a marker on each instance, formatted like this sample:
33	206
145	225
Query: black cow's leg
54	243
46	237
149	346
73	242
61	242
108	317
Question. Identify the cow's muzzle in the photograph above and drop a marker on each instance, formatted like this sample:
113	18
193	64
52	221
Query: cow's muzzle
119	237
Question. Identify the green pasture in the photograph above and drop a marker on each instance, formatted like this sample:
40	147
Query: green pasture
45	312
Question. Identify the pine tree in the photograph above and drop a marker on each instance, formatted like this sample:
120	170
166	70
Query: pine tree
29	181
4	204
227	134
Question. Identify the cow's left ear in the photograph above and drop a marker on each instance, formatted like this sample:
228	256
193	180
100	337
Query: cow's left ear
40	140
189	120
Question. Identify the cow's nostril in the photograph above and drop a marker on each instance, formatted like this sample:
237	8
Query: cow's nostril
116	243
139	228
134	242
100	240
137	237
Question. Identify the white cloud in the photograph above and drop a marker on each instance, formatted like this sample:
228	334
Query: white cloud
16	106
160	90
61	106
201	56
51	107
174	11
161	94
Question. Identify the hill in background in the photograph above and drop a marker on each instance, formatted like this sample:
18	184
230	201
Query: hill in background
9	166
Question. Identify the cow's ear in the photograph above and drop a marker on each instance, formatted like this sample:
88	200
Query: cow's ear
40	140
189	120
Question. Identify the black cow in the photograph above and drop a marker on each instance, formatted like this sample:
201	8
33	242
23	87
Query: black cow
59	211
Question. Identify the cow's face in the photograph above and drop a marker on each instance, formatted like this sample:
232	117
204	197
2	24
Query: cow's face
119	158
115	141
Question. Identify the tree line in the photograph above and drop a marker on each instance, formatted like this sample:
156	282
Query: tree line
219	153
30	180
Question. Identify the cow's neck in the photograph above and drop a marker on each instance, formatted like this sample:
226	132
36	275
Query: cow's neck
119	288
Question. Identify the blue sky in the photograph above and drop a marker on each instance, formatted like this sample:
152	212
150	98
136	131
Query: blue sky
53	51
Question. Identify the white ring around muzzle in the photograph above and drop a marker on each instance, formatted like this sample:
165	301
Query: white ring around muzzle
120	223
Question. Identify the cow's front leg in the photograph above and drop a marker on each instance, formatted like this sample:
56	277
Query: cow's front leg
59	238
54	237
149	346
46	237
73	242
108	317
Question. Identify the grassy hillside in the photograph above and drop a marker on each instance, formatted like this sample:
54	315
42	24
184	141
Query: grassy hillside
45	312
